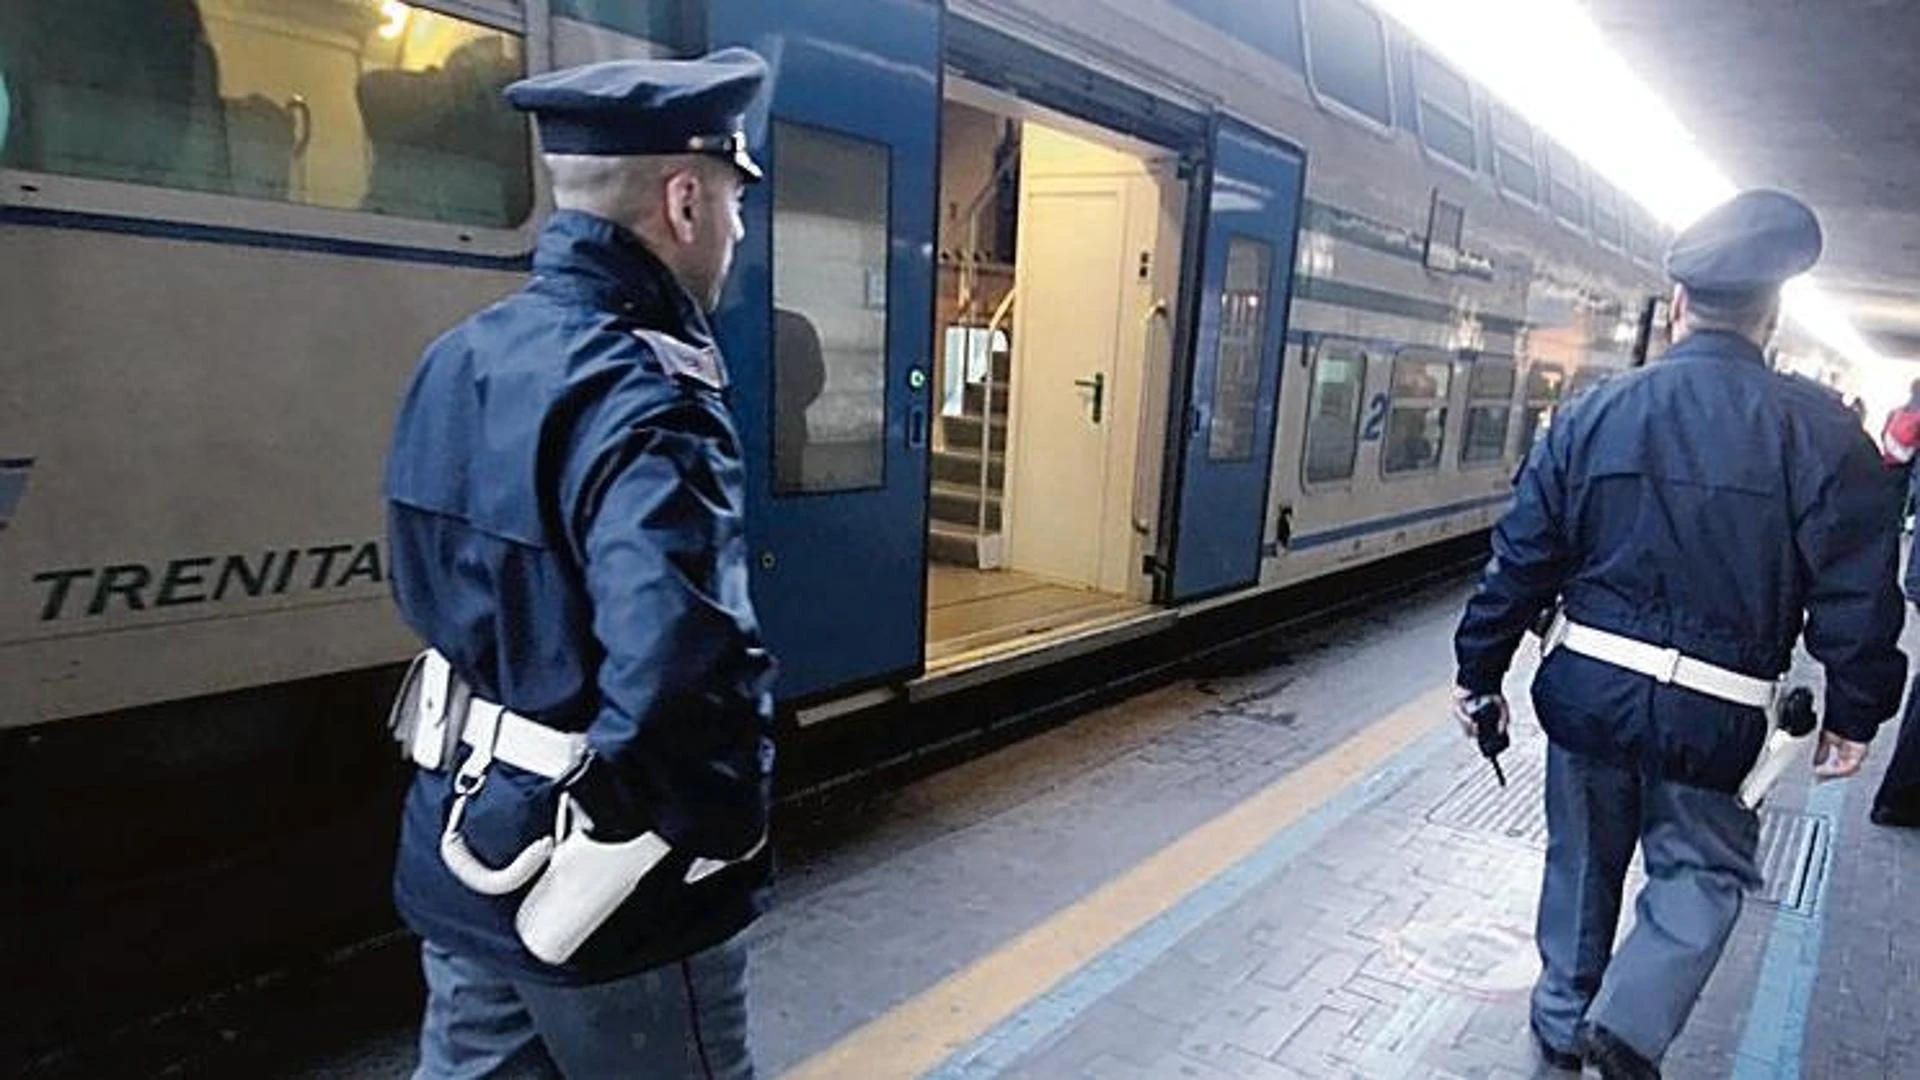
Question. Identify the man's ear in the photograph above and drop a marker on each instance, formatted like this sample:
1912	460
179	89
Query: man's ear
683	193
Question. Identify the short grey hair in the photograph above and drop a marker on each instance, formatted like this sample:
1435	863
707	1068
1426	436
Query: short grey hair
620	189
1747	315
626	190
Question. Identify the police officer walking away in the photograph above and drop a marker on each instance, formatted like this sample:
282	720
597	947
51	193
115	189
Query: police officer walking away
584	840
1691	517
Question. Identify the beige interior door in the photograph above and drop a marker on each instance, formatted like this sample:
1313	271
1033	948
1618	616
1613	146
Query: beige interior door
1066	337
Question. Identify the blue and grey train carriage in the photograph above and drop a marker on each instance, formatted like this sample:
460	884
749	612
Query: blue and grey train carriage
1055	322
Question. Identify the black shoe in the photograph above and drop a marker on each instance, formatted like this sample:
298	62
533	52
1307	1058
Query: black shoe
1895	817
1614	1059
1563	1060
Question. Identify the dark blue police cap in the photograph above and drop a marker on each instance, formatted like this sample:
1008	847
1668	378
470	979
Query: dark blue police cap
1753	242
622	107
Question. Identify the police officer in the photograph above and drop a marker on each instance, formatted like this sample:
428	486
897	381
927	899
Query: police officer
1691	517
584	841
1897	801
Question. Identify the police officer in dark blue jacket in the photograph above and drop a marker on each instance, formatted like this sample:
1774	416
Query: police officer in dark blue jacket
1897	802
584	841
1692	518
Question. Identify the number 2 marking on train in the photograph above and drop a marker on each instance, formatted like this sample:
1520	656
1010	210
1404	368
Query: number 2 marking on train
1376	418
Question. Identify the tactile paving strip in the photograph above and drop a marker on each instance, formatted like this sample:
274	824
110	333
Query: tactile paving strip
1793	845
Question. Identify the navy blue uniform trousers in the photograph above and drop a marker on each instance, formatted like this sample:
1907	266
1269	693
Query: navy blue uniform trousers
1699	848
685	1020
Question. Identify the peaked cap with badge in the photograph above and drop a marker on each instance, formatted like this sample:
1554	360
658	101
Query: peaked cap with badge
1752	243
645	107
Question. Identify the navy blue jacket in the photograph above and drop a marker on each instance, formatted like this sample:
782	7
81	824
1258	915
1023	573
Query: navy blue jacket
1707	504
565	517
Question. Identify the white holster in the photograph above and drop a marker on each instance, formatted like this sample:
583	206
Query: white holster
1779	751
585	880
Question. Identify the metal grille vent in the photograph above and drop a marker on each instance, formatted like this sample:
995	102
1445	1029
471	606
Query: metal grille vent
1517	811
1793	845
1793	859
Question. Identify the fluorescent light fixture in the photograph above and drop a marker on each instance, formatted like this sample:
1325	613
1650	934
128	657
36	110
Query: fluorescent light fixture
1548	60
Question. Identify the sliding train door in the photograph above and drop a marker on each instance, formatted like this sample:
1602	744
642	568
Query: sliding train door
827	322
1226	449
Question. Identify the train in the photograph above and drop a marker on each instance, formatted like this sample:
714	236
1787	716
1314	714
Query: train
1056	324
1051	317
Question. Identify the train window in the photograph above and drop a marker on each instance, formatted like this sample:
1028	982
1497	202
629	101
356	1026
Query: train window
1544	383
1333	412
1347	57
1417	420
1567	186
1513	154
1489	411
369	105
1606	215
1236	370
1446	112
1640	237
830	233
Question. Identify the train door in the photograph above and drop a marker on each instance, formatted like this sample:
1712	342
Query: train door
827	321
1227	451
1059	242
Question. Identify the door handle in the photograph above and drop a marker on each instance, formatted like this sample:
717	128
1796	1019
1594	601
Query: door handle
1097	384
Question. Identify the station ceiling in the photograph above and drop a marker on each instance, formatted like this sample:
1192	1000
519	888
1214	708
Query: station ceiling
1817	97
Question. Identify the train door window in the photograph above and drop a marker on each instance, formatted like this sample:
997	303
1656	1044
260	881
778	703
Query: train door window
1347	58
830	310
1333	412
1417	417
1544	383
1236	380
1567	186
1606	215
1446	112
369	105
1489	411
1513	155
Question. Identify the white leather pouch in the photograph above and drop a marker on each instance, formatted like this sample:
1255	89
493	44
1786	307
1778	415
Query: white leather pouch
585	882
427	714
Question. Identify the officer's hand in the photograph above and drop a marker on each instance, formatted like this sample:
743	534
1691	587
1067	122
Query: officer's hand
1837	757
1466	703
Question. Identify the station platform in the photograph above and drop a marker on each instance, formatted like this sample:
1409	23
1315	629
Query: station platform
1289	865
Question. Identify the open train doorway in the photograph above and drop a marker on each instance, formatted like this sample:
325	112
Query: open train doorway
1059	245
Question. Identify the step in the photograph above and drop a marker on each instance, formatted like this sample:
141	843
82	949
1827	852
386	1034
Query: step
961	466
960	504
976	393
949	544
963	432
963	547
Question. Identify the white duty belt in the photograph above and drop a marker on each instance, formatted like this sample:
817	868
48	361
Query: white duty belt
580	881
494	732
1662	664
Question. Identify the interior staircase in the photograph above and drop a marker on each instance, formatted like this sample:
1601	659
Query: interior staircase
976	281
966	506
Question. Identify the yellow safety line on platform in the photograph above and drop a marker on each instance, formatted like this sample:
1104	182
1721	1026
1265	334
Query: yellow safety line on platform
925	1030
